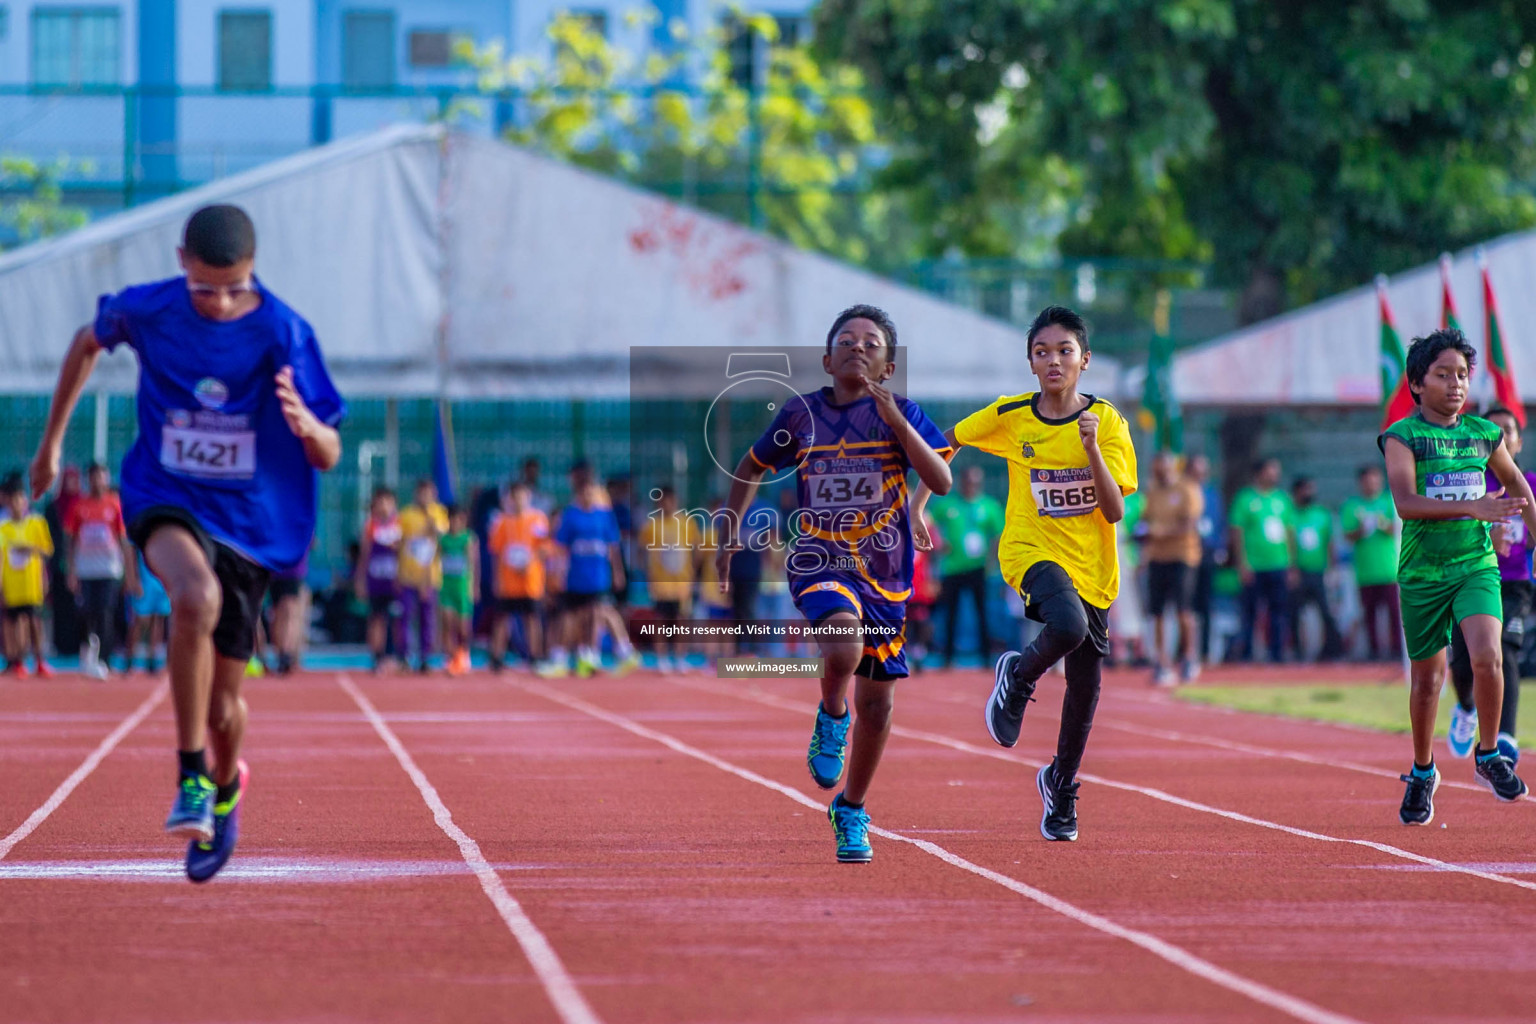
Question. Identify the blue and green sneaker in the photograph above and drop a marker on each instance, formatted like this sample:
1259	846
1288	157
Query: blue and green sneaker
205	859
828	741
191	815
851	827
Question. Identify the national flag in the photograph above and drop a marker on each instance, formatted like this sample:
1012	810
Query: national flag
1158	400
1448	315
1505	392
1396	400
442	455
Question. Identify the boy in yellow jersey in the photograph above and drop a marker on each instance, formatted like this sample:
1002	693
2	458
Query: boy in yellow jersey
24	544
422	525
1070	468
673	547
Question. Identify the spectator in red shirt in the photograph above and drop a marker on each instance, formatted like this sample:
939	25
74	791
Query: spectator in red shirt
99	558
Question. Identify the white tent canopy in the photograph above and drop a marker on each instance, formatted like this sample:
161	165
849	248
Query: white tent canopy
432	262
1328	353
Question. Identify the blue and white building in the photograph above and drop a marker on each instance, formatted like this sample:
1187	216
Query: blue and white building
164	93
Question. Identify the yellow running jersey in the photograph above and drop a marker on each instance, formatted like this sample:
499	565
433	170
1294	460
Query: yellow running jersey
1053	514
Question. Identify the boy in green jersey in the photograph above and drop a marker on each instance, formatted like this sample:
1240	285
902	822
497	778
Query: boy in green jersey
1447	574
1314	557
460	589
1263	549
1370	524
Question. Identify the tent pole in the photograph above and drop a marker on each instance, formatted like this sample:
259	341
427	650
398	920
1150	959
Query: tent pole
99	441
392	442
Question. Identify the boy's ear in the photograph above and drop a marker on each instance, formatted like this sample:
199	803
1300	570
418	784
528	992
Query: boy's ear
826	363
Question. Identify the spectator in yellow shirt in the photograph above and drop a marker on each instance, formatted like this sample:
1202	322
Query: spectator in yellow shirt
422	525
25	543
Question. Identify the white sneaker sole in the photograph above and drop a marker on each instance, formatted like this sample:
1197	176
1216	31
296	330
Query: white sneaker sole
1049	805
996	700
192	832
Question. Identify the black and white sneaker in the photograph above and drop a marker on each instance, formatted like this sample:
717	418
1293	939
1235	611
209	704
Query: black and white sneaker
1005	708
1419	799
1059	821
1499	775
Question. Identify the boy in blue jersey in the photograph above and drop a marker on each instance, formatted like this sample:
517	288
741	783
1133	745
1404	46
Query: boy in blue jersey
236	414
850	569
588	533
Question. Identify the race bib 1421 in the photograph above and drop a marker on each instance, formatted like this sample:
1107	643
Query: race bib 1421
225	454
1063	492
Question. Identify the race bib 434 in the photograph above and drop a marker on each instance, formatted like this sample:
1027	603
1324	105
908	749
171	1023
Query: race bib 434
1063	492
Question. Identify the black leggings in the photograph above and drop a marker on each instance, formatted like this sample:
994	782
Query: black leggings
99	598
1517	604
1078	632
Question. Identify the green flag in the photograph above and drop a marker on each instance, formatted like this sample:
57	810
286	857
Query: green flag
1158	400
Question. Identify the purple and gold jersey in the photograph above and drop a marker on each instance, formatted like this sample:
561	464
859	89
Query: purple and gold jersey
852	525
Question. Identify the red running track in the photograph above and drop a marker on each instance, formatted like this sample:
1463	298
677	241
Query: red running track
652	849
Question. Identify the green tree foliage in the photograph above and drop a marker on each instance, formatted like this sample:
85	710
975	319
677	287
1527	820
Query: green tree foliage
787	152
32	202
1301	146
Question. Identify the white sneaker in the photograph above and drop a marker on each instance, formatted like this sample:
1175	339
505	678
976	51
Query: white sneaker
90	660
1463	731
665	666
1191	671
1164	675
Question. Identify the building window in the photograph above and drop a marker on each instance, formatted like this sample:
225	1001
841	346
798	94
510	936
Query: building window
434	47
748	52
368	50
76	46
245	51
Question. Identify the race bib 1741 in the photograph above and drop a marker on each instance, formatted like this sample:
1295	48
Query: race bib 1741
1063	492
1465	486
228	455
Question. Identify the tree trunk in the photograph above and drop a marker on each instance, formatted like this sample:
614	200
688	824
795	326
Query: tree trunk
1263	296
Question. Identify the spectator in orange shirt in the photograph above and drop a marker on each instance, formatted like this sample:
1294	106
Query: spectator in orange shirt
519	544
99	557
1173	510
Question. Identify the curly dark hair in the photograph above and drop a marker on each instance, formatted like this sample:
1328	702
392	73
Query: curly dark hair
1424	351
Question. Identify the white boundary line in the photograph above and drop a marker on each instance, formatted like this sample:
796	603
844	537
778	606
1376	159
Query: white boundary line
568	1001
1167	951
89	765
939	739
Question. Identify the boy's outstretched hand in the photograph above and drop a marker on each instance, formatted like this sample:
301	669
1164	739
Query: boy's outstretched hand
1495	507
43	471
885	402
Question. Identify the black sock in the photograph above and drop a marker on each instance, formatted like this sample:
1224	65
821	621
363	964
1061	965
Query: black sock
193	762
227	793
849	803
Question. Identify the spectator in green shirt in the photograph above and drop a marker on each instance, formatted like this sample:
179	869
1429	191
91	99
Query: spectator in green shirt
1263	550
1370	523
1314	557
969	524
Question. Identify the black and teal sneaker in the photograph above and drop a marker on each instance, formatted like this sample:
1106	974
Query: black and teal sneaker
1495	771
191	815
1419	798
851	827
1058	822
828	741
204	860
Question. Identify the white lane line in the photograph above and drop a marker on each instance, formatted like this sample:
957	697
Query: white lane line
1290	1005
568	1001
1234	746
995	754
87	766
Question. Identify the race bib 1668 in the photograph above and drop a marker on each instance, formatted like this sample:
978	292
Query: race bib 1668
1063	492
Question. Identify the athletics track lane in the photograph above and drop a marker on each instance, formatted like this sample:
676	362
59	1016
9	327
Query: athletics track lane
345	901
1325	921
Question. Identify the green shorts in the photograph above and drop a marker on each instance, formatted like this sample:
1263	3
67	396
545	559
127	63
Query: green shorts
454	596
1431	609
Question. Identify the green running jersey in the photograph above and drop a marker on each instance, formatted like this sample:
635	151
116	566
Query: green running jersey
1450	464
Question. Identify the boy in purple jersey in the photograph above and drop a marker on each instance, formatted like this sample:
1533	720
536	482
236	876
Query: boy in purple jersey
850	568
1512	545
236	414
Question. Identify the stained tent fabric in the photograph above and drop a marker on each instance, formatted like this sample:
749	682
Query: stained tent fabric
438	263
1328	353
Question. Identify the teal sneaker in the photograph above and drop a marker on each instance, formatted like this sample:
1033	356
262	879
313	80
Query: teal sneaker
828	741
851	827
205	859
1462	734
191	815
